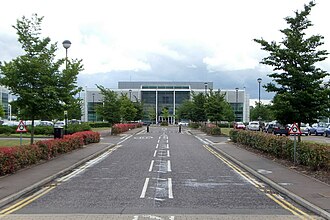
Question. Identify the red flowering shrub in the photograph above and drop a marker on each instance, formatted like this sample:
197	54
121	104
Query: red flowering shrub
120	128
15	158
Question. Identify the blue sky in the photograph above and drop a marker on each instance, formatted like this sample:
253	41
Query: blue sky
153	40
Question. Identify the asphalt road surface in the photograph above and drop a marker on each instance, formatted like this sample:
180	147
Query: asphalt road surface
162	174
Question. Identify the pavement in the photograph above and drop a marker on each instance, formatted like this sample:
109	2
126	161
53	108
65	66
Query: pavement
305	190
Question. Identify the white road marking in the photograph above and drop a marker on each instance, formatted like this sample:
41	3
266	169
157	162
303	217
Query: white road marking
155	153
170	192
135	217
168	153
144	190
169	166
167	146
151	165
158	141
157	146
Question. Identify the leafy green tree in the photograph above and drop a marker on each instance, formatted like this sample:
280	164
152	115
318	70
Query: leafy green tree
264	111
127	109
2	111
185	110
300	96
228	112
110	110
198	113
139	110
215	107
165	113
74	110
151	113
43	90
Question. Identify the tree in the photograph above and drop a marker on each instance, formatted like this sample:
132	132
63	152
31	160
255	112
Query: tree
228	112
185	110
300	96
139	110
215	107
127	109
264	111
2	111
110	110
198	113
43	90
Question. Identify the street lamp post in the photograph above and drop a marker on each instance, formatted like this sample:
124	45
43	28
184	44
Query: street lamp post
236	105
130	95
66	44
205	87
93	109
259	81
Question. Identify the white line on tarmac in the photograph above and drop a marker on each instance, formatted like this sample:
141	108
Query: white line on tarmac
169	166
144	190
170	192
151	165
167	146
155	153
157	146
168	153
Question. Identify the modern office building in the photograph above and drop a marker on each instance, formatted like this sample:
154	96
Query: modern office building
159	95
4	97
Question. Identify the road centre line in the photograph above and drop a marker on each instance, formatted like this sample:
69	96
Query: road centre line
167	146
144	190
151	165
155	153
169	166
168	153
170	191
157	146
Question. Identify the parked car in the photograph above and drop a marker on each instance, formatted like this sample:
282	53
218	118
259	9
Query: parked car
253	126
269	128
317	129
280	129
327	131
240	125
183	123
304	129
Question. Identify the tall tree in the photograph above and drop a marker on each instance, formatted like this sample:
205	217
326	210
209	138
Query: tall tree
264	111
43	90
198	113
110	110
300	96
2	111
127	109
215	107
139	109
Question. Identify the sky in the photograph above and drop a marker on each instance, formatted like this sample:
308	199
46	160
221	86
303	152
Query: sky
172	40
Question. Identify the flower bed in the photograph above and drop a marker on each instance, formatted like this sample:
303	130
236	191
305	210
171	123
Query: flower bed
120	128
15	158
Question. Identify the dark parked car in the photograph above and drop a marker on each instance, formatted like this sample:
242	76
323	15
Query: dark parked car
269	128
281	129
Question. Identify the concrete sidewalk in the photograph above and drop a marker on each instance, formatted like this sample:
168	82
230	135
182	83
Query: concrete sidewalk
305	190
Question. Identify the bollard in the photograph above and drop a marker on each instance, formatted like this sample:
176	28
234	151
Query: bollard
148	128
179	128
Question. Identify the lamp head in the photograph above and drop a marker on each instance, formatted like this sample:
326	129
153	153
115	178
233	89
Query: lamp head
66	44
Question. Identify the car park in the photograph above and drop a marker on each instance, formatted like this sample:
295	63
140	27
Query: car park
240	125
304	129
253	126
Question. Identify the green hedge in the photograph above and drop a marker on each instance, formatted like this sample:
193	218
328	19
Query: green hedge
314	155
99	125
211	129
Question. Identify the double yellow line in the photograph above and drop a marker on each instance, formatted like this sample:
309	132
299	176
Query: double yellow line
275	197
26	201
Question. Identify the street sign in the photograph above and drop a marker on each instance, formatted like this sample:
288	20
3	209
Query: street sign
21	127
294	129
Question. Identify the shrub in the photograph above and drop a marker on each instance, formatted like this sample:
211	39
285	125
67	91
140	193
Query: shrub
99	124
73	128
120	128
7	129
164	123
314	155
15	158
194	125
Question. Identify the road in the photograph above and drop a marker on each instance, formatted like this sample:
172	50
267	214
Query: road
162	174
